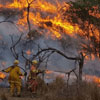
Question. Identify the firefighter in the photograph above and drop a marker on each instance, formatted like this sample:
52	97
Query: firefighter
14	78
32	78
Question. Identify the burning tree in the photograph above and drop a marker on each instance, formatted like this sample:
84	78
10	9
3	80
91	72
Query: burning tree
86	14
58	20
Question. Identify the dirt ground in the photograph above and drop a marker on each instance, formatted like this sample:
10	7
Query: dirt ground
25	95
57	90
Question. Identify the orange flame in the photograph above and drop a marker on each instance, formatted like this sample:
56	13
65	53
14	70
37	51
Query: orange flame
2	75
49	72
46	15
94	79
49	17
61	75
28	52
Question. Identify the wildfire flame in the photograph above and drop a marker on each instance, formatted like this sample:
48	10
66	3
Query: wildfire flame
47	18
28	52
93	78
2	75
45	15
48	15
49	72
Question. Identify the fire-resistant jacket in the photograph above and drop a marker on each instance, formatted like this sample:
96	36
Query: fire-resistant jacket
14	74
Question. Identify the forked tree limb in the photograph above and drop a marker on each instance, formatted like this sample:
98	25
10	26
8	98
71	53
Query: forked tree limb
13	47
28	14
56	51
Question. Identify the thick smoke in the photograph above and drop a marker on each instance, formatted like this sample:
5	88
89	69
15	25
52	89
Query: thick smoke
56	62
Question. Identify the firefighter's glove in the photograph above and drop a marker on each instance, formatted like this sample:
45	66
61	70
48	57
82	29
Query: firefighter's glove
25	74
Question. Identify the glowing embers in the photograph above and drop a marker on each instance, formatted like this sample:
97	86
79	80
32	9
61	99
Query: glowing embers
96	12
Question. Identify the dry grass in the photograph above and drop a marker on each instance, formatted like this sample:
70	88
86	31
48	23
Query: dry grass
3	97
58	90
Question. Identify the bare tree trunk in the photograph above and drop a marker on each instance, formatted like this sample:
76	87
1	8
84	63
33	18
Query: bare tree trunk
81	63
25	75
28	15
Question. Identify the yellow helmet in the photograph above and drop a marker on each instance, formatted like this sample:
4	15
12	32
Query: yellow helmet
16	62
34	62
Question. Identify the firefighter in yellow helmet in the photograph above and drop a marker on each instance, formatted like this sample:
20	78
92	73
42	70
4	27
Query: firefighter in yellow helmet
14	78
32	78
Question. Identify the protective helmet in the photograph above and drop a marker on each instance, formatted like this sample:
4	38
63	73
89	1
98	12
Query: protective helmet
34	62
16	62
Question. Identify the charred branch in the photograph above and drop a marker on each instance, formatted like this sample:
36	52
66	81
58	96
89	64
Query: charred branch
13	47
28	21
57	51
44	54
28	14
23	55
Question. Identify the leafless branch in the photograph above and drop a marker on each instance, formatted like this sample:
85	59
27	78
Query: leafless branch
57	51
25	57
13	47
28	14
5	21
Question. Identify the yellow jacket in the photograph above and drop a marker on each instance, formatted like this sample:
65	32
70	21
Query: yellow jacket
14	74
